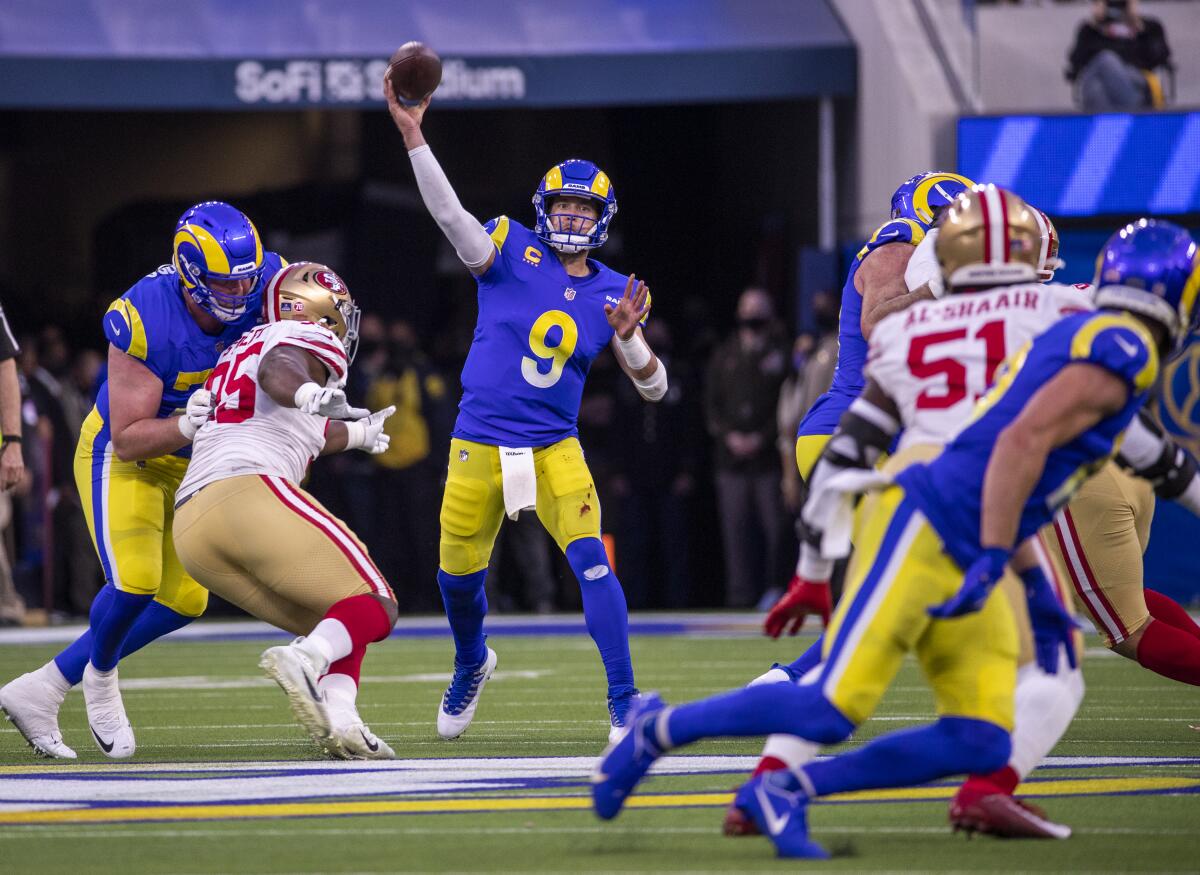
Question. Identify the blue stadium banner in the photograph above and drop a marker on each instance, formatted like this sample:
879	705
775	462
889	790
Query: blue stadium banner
491	81
1087	165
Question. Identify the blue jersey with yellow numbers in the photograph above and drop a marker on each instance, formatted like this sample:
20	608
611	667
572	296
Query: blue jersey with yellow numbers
537	334
848	382
151	322
949	490
1179	400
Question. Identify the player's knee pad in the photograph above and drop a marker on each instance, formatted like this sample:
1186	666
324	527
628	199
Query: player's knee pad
187	600
974	746
460	588
576	511
589	560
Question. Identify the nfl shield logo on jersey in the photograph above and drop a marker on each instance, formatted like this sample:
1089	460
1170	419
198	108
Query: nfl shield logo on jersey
463	455
569	294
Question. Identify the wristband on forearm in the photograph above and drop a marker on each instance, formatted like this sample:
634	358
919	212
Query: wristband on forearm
635	351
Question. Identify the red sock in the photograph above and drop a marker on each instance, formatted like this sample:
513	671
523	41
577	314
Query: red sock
1170	612
351	665
1003	780
1170	652
769	764
364	617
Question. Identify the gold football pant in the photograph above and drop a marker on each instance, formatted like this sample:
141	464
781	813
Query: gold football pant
1098	541
267	546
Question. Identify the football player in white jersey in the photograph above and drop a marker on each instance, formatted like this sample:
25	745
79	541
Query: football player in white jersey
246	529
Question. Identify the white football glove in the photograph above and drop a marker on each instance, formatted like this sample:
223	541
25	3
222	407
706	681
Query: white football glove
368	434
199	409
327	401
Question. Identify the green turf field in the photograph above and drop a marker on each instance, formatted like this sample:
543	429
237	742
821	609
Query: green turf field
197	703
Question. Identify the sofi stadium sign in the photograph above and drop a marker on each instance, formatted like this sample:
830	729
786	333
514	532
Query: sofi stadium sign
355	82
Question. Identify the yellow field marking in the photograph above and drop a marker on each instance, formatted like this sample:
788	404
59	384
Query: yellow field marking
117	814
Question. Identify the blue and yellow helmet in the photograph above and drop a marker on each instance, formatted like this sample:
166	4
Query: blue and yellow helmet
576	178
1179	400
214	241
1151	267
924	195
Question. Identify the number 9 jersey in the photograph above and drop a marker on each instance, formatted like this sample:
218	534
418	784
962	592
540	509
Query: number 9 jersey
538	331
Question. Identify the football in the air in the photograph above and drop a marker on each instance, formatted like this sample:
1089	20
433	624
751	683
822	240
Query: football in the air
415	71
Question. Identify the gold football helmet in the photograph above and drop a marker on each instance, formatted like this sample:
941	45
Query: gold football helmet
311	292
988	237
1050	262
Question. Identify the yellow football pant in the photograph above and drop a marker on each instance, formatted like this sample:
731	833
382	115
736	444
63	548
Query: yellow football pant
473	503
899	571
130	508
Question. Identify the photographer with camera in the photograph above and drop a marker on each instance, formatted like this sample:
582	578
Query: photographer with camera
1115	56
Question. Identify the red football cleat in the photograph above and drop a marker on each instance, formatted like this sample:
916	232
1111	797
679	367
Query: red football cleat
1005	817
738	824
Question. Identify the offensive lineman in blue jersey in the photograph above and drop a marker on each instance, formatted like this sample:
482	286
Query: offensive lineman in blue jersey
165	335
1050	420
874	288
546	311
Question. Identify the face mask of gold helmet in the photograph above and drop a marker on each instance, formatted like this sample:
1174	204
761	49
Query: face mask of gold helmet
989	237
309	292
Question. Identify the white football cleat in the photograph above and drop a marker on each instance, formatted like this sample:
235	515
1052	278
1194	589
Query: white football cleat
353	740
31	703
461	698
106	713
297	669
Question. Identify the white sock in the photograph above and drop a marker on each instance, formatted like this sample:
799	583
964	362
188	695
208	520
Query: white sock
331	638
340	690
790	750
52	676
1045	705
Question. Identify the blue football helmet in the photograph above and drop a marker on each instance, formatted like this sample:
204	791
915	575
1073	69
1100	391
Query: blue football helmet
1151	267
214	241
924	195
577	178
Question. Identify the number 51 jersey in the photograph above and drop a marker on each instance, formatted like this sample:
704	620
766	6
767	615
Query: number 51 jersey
538	332
937	358
248	432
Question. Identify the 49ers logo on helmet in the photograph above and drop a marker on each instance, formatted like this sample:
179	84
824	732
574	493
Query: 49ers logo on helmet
327	279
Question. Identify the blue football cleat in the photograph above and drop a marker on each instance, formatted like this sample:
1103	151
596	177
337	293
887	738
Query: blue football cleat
624	762
618	714
780	814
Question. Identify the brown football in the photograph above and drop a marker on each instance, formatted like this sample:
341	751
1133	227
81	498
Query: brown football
415	71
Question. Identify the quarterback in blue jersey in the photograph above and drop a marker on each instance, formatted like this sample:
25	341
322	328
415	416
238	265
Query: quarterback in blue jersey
1051	419
165	335
546	310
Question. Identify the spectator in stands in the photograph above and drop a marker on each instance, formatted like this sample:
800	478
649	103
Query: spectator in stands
654	483
77	573
814	357
741	395
407	472
1115	58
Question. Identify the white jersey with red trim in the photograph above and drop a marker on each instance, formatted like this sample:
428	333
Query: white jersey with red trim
937	358
248	432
